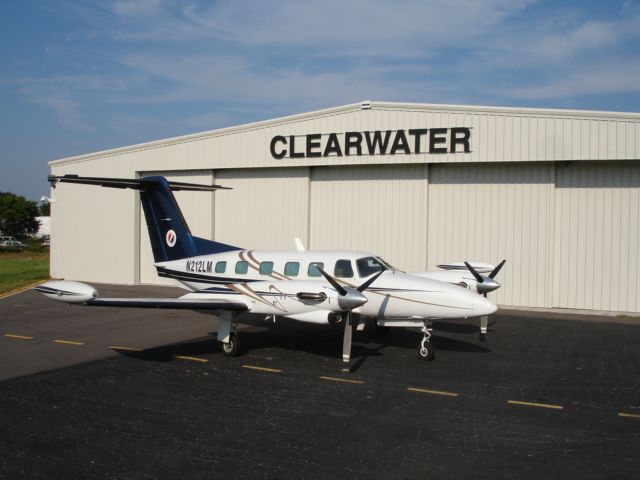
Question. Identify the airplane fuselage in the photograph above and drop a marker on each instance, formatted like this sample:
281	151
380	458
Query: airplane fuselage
271	283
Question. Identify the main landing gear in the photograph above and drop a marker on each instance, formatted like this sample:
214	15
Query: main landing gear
426	351
232	347
227	335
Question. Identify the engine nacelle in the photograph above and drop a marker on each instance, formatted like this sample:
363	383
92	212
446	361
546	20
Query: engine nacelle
319	317
67	291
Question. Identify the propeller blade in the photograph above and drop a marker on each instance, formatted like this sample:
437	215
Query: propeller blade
346	341
474	273
497	269
339	288
366	284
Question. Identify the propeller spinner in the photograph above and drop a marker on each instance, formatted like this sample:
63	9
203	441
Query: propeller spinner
486	284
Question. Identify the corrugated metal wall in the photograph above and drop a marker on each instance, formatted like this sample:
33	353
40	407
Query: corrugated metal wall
494	212
93	230
597	237
381	209
266	209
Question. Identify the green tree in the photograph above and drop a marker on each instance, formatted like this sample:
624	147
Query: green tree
17	215
45	209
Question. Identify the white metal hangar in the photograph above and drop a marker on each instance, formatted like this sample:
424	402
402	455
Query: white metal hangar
555	192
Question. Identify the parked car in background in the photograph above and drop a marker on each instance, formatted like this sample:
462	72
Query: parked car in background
46	241
17	244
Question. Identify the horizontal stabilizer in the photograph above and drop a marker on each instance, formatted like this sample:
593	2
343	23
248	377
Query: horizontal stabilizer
134	183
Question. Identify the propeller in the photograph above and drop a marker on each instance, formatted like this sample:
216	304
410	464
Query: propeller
348	299
486	284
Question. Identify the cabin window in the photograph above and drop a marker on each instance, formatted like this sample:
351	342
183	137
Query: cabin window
343	269
292	269
242	267
221	267
313	271
368	266
266	268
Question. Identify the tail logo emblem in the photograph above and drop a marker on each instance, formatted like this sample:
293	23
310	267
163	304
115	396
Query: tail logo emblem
171	238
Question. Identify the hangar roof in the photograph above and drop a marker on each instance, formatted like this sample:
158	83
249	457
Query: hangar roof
629	122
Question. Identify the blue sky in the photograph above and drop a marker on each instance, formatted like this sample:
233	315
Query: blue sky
79	77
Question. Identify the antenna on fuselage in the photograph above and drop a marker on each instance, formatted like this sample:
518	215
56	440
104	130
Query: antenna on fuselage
299	244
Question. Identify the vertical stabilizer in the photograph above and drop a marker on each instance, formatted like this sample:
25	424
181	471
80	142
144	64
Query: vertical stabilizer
169	233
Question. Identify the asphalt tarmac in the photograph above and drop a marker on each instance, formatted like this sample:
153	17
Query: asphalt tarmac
546	396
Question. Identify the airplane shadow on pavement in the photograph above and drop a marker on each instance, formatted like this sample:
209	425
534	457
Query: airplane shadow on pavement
321	340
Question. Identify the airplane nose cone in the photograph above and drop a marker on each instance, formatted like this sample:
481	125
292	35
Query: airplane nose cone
482	306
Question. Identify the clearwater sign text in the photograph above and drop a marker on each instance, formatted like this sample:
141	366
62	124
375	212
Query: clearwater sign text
379	142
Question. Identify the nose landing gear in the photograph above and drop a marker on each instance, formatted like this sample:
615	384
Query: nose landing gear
426	351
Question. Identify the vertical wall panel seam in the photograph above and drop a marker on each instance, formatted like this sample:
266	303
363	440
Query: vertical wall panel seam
307	241
136	236
427	214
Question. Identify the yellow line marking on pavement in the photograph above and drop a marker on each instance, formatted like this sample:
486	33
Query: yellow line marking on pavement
21	289
19	337
128	349
628	415
540	405
262	369
192	359
69	342
432	392
343	380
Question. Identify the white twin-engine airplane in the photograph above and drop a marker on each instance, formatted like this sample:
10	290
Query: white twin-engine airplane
293	284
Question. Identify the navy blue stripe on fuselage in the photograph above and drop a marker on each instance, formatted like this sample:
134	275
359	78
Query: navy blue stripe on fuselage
219	290
199	278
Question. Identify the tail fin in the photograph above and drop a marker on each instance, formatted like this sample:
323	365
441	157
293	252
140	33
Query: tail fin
169	233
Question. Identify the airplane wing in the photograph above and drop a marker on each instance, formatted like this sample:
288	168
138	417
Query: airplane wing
83	294
480	267
167	303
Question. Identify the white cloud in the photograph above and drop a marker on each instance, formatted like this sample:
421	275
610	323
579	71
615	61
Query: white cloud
295	55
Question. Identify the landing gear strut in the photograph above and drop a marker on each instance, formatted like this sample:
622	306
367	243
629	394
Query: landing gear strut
484	323
426	351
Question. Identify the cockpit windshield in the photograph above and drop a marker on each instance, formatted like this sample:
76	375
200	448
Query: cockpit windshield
369	265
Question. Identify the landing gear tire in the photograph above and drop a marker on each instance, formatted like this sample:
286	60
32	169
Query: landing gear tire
335	318
380	328
232	347
426	351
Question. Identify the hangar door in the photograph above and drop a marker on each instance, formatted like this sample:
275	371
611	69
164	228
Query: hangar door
267	208
491	212
377	208
597	234
197	209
